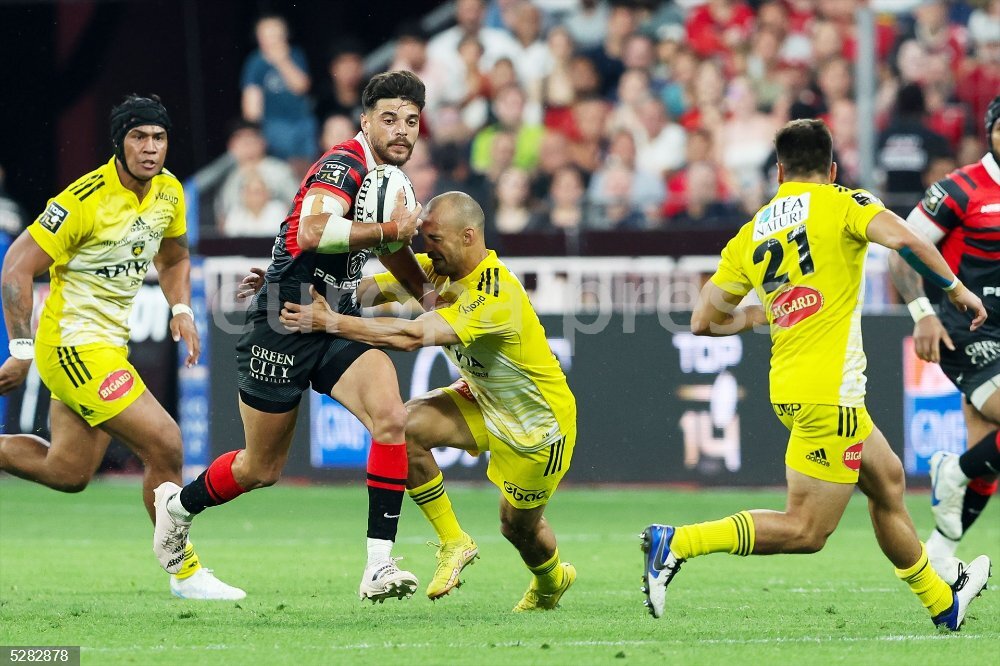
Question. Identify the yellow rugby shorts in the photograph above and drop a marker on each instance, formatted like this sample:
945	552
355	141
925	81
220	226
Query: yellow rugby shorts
826	440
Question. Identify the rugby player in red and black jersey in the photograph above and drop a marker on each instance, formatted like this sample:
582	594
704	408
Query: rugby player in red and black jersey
961	213
319	246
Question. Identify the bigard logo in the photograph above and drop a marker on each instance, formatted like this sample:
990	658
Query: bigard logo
116	385
795	304
852	457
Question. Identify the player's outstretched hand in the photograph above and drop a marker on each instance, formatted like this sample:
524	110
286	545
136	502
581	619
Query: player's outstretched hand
965	300
316	316
12	374
407	222
928	336
182	328
250	285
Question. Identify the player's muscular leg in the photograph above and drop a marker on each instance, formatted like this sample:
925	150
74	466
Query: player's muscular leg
369	390
433	420
68	464
268	439
981	423
528	531
811	515
882	480
147	429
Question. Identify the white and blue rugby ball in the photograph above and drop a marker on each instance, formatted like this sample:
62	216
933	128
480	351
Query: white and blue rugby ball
377	198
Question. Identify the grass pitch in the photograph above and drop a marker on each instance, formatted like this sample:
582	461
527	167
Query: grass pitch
78	570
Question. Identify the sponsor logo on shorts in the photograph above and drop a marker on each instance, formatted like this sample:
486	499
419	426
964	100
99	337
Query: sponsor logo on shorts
789	409
270	366
819	457
982	352
794	305
116	385
522	495
852	457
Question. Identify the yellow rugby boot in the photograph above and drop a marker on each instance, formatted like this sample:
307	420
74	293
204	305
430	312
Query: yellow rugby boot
533	599
452	557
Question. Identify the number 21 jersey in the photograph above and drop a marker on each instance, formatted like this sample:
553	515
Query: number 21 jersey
804	254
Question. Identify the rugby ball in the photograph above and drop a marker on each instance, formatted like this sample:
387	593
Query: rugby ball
377	198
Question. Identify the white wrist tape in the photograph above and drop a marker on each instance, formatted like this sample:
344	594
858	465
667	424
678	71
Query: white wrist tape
180	309
953	285
336	237
920	308
23	349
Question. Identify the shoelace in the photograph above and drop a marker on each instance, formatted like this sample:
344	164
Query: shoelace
173	540
963	578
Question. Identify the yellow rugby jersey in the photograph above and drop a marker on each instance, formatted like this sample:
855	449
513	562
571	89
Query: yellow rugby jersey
102	241
804	254
504	354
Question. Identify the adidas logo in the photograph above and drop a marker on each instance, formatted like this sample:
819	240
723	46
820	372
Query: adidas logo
818	456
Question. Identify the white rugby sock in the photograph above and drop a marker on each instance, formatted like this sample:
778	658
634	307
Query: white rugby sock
378	550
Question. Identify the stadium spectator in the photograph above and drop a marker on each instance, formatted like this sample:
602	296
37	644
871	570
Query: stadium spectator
634	87
607	58
677	92
336	129
746	137
935	33
984	23
512	399
905	149
762	66
715	28
833	444
835	81
611	206
530	52
702	207
588	24
843	121
508	108
648	190
97	249
340	93
564	207
246	150
513	201
275	85
557	84
553	154
496	43
257	213
980	80
587	133
700	149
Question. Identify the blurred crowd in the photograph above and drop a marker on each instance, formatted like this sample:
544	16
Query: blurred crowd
603	114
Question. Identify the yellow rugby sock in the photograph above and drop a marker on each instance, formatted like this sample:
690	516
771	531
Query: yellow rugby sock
734	534
434	502
933	592
548	575
191	563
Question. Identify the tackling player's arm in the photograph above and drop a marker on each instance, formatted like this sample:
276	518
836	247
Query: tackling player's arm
24	261
889	230
930	218
428	330
716	314
173	266
324	229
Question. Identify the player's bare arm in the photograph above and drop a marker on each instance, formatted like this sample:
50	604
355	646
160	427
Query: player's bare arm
889	230
427	330
716	313
323	228
404	267
173	264
928	331
24	260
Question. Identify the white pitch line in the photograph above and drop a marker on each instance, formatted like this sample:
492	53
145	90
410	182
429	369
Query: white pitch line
626	643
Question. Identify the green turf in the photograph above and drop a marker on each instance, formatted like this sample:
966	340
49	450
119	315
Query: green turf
78	570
